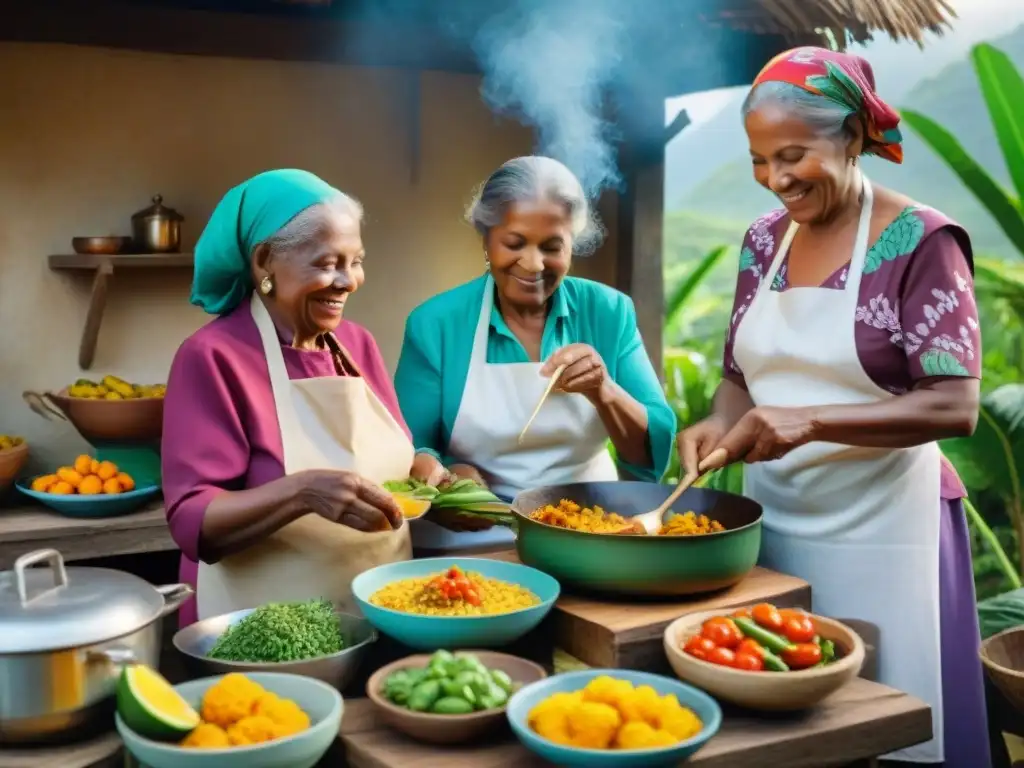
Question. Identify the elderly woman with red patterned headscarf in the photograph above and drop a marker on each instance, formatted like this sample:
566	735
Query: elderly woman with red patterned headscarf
852	349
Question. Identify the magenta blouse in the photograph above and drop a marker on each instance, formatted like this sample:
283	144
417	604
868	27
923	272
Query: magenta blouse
220	423
916	315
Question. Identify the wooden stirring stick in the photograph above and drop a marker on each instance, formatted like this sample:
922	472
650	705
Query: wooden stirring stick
547	391
651	521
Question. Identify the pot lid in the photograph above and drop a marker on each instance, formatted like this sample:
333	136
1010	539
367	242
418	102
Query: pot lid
158	210
46	609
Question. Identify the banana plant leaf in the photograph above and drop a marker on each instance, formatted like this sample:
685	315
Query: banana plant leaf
1003	89
1001	612
1000	204
993	457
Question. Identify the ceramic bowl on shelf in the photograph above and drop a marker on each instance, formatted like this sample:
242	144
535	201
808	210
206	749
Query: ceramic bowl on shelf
766	691
104	246
12	461
337	669
1003	658
93	506
702	705
320	701
425	632
139	420
449	729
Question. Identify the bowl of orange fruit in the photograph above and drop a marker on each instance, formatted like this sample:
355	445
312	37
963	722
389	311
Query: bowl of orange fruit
89	488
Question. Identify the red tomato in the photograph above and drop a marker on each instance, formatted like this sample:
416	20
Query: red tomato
802	656
722	631
798	629
742	613
470	596
749	662
749	645
722	656
699	647
767	616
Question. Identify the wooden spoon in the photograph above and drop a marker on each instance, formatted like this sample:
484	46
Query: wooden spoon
547	391
652	521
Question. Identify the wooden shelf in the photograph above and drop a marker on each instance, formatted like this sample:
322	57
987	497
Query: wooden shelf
103	266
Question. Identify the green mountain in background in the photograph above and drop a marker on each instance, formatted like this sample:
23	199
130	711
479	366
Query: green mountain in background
719	208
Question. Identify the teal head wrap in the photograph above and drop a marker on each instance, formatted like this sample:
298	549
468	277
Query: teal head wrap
245	217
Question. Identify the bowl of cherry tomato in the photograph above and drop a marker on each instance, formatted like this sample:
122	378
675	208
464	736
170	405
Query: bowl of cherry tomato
763	657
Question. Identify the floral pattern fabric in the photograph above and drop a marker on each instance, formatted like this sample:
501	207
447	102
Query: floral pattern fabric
916	315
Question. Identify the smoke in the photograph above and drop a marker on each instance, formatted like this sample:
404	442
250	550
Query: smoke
548	64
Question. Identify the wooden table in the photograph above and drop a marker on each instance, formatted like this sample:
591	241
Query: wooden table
861	721
24	528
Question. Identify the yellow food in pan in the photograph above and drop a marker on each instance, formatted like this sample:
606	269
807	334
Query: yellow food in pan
575	517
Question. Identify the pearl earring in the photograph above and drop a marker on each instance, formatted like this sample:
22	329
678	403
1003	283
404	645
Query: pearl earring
266	285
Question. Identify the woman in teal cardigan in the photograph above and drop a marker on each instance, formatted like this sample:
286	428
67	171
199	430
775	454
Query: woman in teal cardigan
476	359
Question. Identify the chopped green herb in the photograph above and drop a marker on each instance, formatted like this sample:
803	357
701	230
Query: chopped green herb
279	632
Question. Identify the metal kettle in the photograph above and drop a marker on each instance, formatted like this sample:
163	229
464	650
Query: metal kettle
157	229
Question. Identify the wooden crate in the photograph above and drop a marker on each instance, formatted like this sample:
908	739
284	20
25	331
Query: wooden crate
628	634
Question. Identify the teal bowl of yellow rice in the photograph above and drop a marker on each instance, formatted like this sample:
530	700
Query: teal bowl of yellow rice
398	600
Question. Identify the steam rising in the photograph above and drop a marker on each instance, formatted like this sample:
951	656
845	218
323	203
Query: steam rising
547	64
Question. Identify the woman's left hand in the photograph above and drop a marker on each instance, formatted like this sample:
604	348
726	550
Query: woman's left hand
427	469
763	434
585	372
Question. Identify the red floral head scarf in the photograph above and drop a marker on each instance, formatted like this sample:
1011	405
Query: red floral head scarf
846	80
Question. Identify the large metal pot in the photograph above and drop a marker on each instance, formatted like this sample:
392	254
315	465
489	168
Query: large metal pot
157	229
65	635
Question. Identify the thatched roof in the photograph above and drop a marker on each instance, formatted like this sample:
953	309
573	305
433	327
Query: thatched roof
850	19
845	19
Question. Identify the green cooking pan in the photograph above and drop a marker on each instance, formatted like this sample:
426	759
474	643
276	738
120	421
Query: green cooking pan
633	565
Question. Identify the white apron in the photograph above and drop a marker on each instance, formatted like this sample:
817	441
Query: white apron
860	524
331	422
566	444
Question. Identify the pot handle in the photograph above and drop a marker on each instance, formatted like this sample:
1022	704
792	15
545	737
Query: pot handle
116	656
174	596
26	561
44	406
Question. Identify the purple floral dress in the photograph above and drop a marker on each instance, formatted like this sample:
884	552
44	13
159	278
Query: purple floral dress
916	319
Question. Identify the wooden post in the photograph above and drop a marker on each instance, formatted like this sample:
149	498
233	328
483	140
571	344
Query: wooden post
641	213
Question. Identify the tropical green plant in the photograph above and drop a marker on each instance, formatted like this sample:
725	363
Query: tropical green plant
991	463
1003	90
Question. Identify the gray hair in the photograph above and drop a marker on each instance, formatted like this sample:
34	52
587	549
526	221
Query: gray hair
533	178
828	119
308	224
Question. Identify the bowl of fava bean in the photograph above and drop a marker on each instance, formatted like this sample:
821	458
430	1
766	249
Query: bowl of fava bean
447	698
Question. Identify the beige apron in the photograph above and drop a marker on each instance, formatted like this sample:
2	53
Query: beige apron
331	422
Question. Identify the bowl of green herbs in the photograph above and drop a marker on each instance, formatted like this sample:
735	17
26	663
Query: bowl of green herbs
311	638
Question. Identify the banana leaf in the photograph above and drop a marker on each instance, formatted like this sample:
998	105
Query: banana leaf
1001	612
993	457
681	297
1004	209
1003	89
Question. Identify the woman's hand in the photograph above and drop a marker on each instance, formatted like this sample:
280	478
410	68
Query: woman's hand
585	372
427	469
696	443
468	472
763	434
348	499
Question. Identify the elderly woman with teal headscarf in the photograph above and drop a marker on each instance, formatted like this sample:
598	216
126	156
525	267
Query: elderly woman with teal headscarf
281	421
